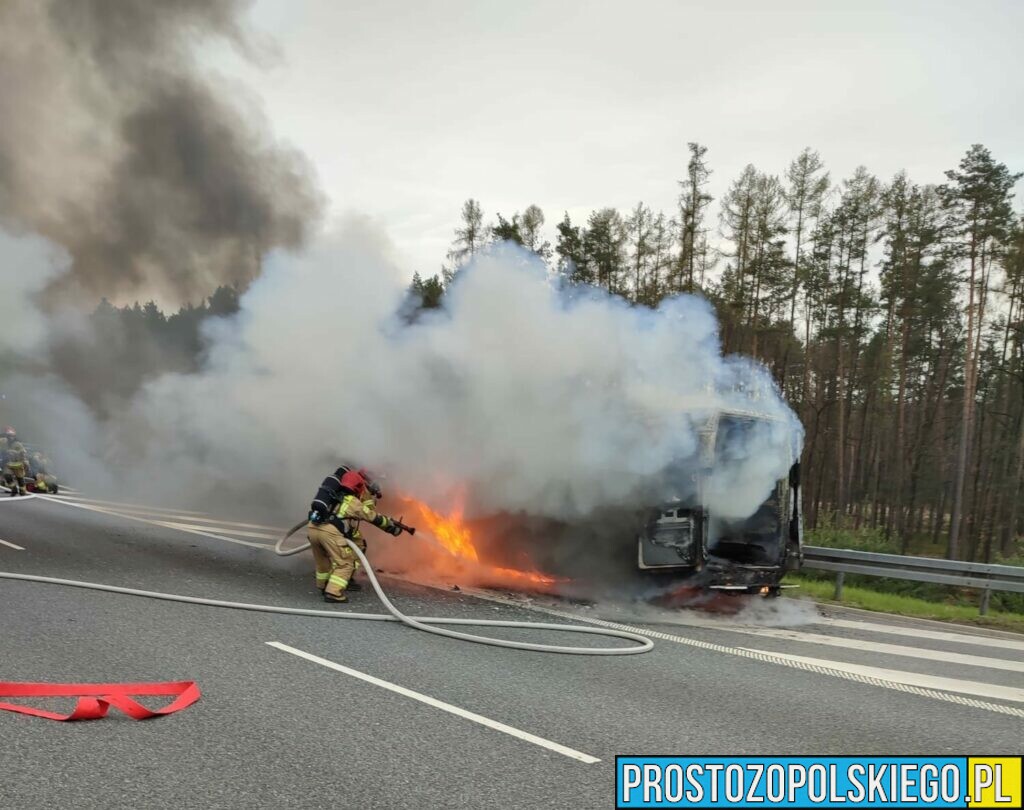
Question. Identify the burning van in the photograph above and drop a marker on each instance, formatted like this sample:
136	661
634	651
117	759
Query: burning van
686	538
714	529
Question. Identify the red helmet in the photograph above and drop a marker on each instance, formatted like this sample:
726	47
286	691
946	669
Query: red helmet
355	481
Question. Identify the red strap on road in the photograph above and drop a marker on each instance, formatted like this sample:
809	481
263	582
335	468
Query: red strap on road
95	698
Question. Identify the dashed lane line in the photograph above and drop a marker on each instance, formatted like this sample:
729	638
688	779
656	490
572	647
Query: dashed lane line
572	753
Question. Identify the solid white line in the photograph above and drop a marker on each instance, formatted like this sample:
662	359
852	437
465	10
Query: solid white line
988	690
162	514
245	530
878	647
182	527
277	530
19	499
236	532
193	520
937	635
439	704
135	506
179	527
917	620
821	667
12	545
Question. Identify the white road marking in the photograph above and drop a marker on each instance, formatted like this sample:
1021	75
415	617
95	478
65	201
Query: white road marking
181	527
203	519
937	635
833	669
988	690
195	520
136	510
19	499
878	647
11	545
731	625
135	506
190	530
183	519
439	704
236	532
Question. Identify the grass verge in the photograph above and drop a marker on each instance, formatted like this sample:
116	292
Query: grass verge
823	590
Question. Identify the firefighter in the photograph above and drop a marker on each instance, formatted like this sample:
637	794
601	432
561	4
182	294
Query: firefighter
15	462
40	467
335	561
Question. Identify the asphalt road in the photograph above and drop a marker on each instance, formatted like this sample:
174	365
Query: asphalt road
275	729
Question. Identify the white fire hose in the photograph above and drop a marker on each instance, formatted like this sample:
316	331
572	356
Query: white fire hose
425	623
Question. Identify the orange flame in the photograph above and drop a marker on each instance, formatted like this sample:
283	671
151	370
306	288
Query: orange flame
449	531
454	536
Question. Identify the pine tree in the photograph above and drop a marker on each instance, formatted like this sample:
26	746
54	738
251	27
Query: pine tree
530	225
507	230
693	201
604	246
639	231
573	264
470	238
808	185
980	204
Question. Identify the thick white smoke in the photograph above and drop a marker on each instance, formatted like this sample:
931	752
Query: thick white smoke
517	395
27	264
44	410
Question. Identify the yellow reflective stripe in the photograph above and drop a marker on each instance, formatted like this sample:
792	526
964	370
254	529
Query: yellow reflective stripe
323	577
336	580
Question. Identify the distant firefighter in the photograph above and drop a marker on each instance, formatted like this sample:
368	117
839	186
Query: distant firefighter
15	462
42	470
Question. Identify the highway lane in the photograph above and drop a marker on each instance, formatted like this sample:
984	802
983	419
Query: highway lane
274	729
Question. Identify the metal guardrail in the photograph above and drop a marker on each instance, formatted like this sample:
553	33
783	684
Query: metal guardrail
985	577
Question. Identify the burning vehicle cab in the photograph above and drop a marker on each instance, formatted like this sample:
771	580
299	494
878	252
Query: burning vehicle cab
687	540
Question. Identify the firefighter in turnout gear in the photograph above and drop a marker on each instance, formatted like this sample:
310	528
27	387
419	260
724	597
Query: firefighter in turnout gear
343	502
41	469
15	462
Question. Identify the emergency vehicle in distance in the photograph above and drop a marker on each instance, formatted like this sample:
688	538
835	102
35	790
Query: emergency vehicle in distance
685	541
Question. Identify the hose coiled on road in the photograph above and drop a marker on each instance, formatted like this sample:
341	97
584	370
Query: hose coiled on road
427	624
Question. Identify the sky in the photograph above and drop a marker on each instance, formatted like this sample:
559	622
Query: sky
408	108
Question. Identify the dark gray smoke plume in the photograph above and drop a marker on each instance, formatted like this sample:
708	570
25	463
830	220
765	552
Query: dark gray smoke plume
125	173
119	147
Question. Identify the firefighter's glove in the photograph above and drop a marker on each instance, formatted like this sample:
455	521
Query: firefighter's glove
393	529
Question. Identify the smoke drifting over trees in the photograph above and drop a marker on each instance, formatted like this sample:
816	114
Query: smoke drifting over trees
889	313
117	146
